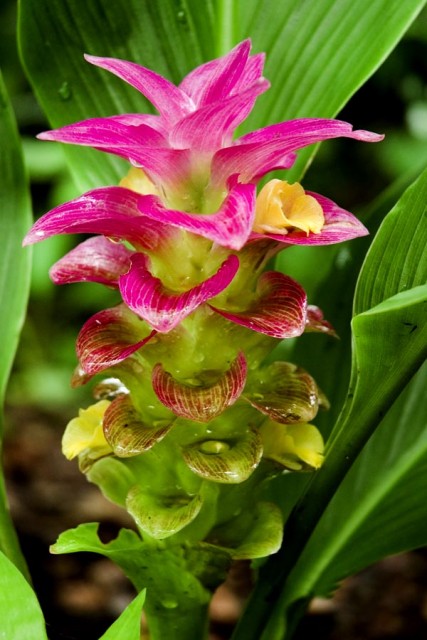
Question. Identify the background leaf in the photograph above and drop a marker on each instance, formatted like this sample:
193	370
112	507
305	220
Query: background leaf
15	270
388	483
319	53
397	259
20	613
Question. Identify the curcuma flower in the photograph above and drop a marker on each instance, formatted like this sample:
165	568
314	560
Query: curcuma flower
184	239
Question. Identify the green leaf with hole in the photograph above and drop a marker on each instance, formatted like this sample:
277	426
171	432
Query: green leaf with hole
174	576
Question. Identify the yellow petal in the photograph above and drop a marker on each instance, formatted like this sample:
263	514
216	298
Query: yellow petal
295	446
282	207
85	432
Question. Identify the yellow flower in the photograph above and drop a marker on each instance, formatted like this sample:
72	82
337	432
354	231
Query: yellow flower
84	434
298	447
282	207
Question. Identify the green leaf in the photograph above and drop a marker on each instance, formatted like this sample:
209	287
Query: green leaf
20	613
387	271
15	267
388	483
15	271
128	626
319	53
395	456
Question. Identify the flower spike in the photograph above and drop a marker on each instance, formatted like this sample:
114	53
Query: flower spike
187	407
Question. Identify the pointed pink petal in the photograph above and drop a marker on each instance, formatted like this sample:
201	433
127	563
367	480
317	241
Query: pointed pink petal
169	100
226	74
255	153
317	323
107	133
216	79
162	309
280	309
109	337
110	211
304	131
127	433
230	226
210	127
144	146
136	119
250	162
340	225
252	73
201	403
94	260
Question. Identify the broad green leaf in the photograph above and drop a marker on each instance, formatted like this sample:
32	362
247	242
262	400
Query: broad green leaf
389	346
319	53
15	269
20	613
388	483
339	267
397	259
128	626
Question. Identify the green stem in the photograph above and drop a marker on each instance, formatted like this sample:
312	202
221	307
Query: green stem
177	623
180	580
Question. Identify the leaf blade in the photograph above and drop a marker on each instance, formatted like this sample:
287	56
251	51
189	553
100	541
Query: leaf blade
15	270
19	610
127	626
